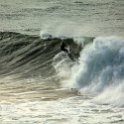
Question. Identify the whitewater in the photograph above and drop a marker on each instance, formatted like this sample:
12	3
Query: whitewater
42	84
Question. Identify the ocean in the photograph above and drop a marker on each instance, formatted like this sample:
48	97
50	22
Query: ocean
61	62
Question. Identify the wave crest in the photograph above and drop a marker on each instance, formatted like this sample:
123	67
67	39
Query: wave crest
101	70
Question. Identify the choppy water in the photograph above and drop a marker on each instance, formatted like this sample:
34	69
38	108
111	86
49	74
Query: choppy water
40	84
82	17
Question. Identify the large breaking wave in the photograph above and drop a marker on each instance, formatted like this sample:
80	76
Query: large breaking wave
98	68
31	55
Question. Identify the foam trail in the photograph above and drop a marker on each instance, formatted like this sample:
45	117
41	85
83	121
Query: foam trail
62	65
113	95
101	70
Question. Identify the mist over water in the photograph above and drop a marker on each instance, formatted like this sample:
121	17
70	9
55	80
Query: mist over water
84	18
40	83
100	70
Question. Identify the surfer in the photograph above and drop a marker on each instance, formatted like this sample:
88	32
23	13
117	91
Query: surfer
63	47
66	50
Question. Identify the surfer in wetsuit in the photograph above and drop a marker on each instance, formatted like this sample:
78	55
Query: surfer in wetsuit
65	49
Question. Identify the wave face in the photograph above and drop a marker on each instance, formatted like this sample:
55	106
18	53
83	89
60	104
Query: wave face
24	53
101	71
30	55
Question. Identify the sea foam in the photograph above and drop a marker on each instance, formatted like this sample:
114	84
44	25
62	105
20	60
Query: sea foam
100	71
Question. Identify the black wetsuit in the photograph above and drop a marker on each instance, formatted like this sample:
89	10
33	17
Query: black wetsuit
63	48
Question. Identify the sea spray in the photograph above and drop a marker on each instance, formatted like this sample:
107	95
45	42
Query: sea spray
100	70
66	28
